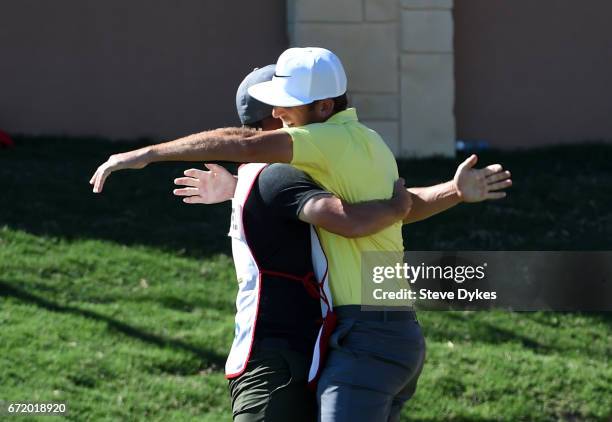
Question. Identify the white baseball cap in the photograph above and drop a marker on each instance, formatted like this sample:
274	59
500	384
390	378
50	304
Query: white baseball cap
303	75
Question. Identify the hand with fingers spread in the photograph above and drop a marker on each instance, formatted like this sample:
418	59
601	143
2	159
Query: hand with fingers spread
206	187
136	159
476	185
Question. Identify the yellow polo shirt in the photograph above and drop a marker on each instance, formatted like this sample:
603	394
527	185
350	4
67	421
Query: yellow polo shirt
353	162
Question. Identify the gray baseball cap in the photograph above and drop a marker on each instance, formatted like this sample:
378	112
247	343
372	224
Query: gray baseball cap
249	109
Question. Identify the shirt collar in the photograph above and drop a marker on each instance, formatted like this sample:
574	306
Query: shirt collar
345	116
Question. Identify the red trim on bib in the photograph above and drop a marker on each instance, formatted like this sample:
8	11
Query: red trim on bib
246	361
330	320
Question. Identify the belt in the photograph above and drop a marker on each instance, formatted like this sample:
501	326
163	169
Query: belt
376	313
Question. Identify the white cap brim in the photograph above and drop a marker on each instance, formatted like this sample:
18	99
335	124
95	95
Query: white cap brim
272	93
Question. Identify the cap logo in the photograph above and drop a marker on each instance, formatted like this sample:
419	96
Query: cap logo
303	75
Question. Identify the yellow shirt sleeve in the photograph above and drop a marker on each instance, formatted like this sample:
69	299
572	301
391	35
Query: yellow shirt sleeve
315	148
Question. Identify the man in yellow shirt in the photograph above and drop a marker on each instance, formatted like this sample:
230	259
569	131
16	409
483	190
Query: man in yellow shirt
376	357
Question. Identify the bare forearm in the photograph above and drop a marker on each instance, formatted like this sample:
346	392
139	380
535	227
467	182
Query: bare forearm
351	220
225	144
366	218
431	200
210	145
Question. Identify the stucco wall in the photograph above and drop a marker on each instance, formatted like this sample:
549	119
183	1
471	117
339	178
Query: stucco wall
511	72
125	69
530	73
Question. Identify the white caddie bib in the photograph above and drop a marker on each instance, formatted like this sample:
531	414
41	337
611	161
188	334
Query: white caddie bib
247	273
249	276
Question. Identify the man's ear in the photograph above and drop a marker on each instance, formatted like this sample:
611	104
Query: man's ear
325	108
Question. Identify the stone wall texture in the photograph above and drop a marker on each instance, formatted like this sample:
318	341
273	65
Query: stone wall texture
398	55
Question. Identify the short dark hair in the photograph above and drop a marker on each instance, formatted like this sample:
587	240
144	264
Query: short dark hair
340	103
258	125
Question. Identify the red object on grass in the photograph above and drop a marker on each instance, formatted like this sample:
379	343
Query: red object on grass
5	140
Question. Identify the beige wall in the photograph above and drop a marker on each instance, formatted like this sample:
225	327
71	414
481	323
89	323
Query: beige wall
398	56
532	72
124	69
517	72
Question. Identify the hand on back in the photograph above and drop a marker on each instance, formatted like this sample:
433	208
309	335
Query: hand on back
206	187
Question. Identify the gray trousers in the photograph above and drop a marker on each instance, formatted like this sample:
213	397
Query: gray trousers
372	369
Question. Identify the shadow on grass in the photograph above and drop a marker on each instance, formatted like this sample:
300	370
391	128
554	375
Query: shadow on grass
553	205
210	360
46	191
178	304
482	332
447	418
475	330
551	319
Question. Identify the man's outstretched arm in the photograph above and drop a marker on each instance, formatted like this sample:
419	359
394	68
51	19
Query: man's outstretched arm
323	210
431	200
468	185
366	218
359	219
241	145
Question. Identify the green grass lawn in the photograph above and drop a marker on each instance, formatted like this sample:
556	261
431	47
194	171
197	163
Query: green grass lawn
121	304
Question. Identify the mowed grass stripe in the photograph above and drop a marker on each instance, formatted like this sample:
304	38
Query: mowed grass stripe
122	305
